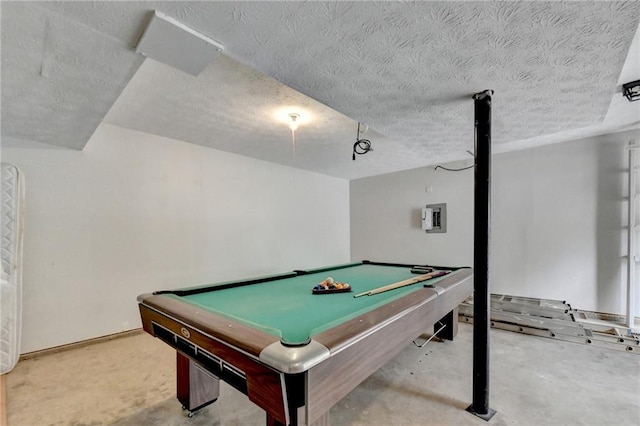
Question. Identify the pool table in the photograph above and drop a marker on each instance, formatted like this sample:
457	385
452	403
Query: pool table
294	353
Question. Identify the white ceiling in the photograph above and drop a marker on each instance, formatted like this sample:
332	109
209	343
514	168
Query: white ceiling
407	69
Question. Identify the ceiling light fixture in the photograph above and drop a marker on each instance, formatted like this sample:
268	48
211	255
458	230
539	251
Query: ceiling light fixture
294	121
631	90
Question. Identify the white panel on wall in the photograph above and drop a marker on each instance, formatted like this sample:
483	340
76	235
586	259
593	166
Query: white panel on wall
134	213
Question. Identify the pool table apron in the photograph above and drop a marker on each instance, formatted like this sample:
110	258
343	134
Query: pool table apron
336	360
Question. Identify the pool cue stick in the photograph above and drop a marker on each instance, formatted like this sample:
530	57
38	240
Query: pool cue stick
402	283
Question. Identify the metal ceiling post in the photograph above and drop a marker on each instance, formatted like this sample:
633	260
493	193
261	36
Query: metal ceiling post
482	230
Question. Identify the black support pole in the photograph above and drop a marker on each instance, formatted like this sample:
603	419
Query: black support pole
482	230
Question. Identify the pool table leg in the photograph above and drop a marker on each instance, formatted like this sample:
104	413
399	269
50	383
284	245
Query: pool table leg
196	387
451	325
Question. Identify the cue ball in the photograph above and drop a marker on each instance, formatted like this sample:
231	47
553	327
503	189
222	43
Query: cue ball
329	280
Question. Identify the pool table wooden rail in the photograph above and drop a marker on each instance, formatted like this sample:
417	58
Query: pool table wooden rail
241	336
345	334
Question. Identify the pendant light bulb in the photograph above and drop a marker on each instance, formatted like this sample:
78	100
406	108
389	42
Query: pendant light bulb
294	121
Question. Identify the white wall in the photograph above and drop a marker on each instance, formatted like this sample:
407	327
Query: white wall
386	217
559	216
133	213
558	220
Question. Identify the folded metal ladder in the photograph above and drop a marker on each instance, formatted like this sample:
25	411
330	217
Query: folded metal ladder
558	320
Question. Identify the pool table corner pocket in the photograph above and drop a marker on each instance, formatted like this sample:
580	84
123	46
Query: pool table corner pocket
294	359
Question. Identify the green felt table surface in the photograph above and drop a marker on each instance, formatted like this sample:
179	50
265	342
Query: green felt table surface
287	308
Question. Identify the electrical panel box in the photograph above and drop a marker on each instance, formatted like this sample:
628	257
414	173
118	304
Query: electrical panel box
434	218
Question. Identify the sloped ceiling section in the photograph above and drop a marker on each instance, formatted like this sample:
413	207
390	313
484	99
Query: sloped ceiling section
59	76
407	69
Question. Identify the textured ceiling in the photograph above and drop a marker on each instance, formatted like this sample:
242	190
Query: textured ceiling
407	69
